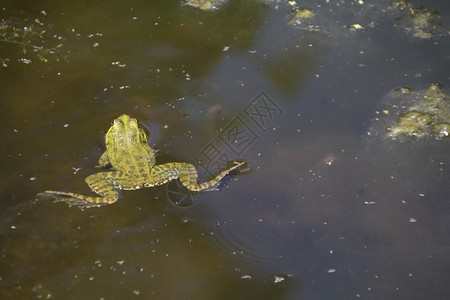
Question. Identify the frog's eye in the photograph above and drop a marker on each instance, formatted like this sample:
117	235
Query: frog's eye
117	122
142	135
142	129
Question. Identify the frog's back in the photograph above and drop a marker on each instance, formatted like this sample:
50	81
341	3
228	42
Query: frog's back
136	162
126	145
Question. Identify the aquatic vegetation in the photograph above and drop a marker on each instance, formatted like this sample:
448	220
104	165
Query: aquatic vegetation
420	22
416	21
411	123
440	130
434	101
298	15
33	41
418	113
354	27
206	4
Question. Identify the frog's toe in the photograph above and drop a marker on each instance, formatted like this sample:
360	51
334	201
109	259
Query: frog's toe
71	199
213	188
235	165
80	203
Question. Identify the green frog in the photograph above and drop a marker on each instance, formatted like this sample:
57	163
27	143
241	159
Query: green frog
133	167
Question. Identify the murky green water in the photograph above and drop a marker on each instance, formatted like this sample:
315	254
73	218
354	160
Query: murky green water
331	207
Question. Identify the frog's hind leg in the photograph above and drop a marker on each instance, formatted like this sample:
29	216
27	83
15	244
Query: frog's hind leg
103	184
98	183
188	177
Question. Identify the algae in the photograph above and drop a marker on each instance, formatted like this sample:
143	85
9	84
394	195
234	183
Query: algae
419	21
419	113
206	5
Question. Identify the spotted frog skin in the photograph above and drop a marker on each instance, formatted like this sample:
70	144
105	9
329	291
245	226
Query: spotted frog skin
134	167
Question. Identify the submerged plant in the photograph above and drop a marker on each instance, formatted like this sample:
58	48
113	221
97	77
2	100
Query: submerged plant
32	42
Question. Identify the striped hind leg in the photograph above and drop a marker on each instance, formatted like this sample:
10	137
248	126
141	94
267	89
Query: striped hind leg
189	178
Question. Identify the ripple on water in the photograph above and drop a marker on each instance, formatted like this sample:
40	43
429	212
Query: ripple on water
255	250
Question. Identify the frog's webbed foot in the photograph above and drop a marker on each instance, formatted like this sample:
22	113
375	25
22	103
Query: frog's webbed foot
98	183
80	203
73	199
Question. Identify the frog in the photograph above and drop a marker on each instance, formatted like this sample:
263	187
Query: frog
133	166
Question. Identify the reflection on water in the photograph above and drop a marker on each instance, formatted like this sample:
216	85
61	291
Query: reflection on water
327	210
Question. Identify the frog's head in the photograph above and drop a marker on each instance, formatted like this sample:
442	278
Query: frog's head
128	128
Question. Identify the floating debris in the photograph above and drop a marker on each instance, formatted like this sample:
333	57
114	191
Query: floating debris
33	40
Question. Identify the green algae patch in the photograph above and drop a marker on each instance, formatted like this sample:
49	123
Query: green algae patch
419	113
412	123
434	100
298	15
440	130
418	21
354	27
207	5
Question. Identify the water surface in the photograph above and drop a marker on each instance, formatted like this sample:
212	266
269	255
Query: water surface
325	211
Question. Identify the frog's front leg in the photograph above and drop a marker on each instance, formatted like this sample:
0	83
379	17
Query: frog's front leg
187	174
101	183
103	161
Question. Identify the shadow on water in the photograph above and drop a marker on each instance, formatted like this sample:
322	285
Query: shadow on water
331	208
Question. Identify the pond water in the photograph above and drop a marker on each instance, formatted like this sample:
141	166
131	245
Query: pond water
330	205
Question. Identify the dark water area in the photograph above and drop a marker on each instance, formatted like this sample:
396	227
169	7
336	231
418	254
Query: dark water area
330	207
